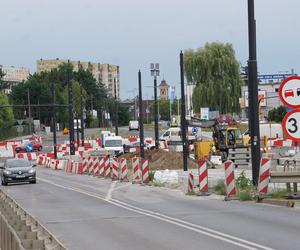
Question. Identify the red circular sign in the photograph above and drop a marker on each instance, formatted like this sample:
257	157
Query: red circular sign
289	92
291	125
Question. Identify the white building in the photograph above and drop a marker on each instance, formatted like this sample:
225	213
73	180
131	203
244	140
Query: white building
268	93
13	76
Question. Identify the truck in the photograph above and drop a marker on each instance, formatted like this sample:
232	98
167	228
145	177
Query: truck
114	145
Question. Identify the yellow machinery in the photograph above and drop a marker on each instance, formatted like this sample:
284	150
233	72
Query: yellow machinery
203	149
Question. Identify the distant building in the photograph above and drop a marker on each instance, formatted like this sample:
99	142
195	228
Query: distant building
268	93
163	90
107	74
13	76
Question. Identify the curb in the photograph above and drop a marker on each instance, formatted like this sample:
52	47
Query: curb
284	203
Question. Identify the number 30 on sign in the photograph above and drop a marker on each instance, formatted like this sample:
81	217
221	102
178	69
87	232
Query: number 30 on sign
291	125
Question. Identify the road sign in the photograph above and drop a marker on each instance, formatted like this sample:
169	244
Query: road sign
289	92
291	125
194	130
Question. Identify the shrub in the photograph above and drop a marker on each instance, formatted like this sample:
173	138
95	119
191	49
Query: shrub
220	187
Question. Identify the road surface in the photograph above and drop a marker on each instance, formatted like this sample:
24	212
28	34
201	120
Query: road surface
90	213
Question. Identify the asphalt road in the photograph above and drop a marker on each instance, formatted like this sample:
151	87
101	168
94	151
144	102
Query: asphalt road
91	213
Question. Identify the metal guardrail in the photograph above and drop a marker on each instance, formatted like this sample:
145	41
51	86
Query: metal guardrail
20	231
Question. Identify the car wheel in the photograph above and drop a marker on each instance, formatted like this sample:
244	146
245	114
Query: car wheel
4	183
33	182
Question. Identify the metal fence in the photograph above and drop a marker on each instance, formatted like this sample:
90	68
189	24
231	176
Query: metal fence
20	231
8	133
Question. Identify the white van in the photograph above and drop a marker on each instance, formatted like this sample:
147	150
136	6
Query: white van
174	134
133	125
114	144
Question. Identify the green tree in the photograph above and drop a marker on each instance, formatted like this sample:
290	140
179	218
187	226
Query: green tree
6	114
3	85
216	73
40	85
163	108
277	114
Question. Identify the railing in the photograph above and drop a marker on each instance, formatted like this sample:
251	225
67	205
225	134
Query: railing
20	231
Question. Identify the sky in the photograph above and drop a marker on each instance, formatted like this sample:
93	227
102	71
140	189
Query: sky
135	33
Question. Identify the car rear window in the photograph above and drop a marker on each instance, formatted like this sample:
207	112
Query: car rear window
18	163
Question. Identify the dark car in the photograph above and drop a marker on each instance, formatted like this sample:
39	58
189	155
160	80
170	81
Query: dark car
17	170
29	147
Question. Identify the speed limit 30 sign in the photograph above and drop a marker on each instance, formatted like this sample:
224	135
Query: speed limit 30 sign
291	125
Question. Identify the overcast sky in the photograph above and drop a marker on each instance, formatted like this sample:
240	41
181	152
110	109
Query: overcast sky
134	33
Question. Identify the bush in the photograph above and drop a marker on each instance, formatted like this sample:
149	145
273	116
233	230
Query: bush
243	182
278	194
220	187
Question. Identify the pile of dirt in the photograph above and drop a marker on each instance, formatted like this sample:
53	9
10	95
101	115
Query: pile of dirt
161	159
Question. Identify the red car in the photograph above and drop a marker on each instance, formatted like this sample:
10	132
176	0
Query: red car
29	147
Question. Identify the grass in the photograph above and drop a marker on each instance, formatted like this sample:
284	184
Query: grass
278	194
220	188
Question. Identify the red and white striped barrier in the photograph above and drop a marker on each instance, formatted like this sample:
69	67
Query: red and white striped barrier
68	167
76	168
106	167
62	164
27	156
281	143
41	160
163	145
229	179
133	138
114	168
54	164
95	167
145	171
101	167
191	183
203	177
90	165
124	170
135	170
85	165
264	176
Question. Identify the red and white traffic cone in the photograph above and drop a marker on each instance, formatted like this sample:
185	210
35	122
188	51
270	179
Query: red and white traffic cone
191	183
145	171
124	170
101	167
203	178
114	168
107	167
136	170
264	177
229	180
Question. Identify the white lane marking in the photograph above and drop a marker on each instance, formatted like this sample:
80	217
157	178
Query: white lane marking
111	189
181	223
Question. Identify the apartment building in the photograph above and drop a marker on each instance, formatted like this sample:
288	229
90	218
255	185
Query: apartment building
13	76
107	74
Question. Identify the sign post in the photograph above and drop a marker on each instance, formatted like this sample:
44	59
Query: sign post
289	94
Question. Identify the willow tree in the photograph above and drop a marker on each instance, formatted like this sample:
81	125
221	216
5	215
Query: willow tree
216	73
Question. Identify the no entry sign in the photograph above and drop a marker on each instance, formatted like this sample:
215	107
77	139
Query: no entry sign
289	92
291	125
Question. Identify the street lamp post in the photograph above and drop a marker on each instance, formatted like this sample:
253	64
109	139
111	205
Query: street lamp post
81	116
71	115
141	116
154	69
253	94
117	109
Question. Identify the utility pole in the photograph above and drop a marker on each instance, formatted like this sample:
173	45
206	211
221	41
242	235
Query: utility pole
29	110
71	115
53	115
141	116
154	69
117	109
183	117
253	94
81	116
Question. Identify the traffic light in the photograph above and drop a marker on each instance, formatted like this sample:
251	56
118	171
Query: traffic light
244	74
